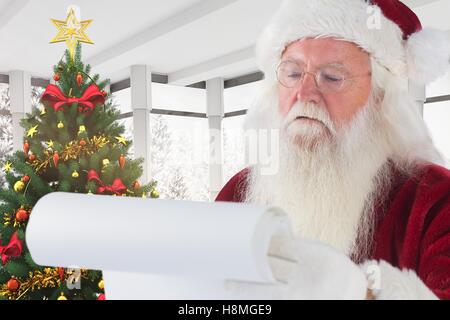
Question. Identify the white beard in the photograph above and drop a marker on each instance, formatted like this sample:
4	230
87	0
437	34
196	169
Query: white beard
327	178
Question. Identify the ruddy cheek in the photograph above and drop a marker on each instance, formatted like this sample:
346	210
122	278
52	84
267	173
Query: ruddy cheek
286	101
284	109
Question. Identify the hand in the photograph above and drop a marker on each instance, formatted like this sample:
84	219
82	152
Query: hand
305	270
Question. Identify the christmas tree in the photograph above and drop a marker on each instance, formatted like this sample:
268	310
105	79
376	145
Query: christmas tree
72	143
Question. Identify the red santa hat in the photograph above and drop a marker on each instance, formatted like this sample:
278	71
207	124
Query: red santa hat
387	29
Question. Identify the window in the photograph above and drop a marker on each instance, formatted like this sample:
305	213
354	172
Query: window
240	97
233	146
122	100
440	87
180	145
129	125
36	94
180	157
177	98
6	141
437	117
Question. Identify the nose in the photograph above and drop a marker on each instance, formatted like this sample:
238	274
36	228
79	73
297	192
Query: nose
307	90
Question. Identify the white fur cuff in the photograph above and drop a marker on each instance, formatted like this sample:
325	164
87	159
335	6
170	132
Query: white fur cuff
390	283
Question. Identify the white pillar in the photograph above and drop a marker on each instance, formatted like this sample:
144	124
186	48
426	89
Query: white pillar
215	113
419	94
141	103
20	97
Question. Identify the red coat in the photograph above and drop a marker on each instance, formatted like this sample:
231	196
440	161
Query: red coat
413	230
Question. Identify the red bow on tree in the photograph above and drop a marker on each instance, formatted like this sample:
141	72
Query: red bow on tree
13	249
117	187
88	101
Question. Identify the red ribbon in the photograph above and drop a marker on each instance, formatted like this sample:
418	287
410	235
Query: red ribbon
61	273
13	249
88	101
117	187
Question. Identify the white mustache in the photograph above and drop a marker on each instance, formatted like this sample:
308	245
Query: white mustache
311	111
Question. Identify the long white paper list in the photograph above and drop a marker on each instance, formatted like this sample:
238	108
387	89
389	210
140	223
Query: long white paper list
155	249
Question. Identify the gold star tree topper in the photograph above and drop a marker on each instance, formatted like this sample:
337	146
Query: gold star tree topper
71	31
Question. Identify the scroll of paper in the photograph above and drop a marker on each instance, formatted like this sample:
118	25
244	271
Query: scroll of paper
156	249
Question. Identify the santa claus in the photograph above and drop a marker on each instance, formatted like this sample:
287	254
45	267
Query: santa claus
364	186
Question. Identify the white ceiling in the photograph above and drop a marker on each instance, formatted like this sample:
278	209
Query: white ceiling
189	40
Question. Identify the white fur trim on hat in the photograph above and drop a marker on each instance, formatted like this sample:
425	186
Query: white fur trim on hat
390	283
359	22
428	53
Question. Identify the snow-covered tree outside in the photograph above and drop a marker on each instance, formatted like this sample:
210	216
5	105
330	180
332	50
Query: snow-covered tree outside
180	175
6	142
233	147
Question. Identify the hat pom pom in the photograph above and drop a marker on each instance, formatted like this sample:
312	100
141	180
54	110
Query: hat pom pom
428	54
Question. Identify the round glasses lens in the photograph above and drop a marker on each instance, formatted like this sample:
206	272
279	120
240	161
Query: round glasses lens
331	79
289	73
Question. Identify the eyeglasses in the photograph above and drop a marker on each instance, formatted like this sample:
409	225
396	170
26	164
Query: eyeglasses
329	79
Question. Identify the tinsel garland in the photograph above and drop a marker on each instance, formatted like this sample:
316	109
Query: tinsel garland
47	278
72	151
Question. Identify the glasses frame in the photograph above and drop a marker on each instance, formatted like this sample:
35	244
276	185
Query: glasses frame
345	81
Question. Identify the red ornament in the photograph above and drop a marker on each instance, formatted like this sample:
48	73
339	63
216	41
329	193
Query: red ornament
25	179
136	185
55	159
22	215
13	285
12	250
26	147
60	273
101	297
82	143
56	77
122	161
31	157
79	79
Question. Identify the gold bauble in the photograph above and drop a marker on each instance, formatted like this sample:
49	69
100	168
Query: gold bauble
154	194
105	162
62	296
81	129
60	125
75	174
101	285
18	186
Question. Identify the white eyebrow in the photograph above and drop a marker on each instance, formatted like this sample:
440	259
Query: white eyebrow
337	64
334	64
